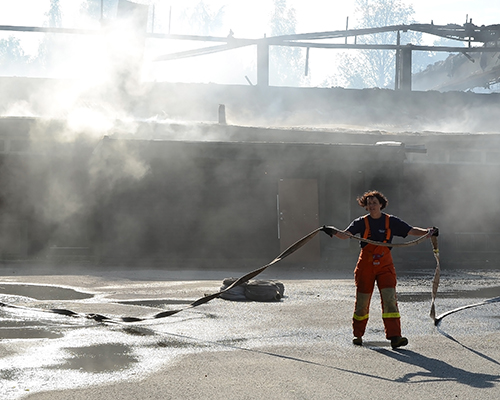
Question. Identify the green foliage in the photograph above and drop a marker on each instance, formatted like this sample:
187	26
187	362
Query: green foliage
378	13
283	19
12	57
202	20
287	64
93	8
54	14
11	49
376	68
53	45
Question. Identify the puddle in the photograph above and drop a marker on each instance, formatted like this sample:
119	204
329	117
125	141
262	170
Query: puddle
19	324
34	328
28	333
60	353
101	358
22	329
483	293
39	292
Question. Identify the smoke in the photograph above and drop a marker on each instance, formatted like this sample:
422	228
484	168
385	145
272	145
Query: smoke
48	171
136	169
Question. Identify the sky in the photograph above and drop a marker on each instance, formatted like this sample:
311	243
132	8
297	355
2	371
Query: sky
247	19
251	17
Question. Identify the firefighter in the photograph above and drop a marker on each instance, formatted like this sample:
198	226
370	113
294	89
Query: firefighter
375	265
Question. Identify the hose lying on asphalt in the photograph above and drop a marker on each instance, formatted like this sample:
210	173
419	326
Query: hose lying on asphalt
205	299
102	318
438	320
294	247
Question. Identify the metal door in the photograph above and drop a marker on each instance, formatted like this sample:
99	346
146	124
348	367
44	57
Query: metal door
297	216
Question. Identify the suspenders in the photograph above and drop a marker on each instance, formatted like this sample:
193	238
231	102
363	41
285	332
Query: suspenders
367	233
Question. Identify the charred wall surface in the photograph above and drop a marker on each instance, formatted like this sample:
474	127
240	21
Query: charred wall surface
217	201
165	186
123	200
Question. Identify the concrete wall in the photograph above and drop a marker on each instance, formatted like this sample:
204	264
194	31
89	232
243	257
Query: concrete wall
54	187
217	201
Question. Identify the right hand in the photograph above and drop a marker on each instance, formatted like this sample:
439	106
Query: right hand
330	231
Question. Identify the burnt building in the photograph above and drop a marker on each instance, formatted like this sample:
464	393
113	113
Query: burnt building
175	191
121	199
220	202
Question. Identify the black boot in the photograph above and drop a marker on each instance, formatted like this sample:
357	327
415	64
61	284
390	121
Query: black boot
398	341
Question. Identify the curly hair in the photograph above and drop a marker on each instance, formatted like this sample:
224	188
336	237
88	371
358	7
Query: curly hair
362	200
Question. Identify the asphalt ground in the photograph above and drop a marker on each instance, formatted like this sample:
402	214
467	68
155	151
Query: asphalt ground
298	348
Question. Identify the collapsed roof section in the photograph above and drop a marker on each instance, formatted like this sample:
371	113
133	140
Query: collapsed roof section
460	71
438	77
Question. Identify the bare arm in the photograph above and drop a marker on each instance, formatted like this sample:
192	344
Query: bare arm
341	235
416	231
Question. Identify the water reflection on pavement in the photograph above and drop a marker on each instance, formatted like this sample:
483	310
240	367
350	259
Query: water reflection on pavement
41	351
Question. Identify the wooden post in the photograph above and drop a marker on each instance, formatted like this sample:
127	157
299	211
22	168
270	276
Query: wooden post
406	67
397	83
222	114
263	63
346	28
307	61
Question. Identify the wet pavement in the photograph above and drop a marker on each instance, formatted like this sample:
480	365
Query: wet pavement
298	348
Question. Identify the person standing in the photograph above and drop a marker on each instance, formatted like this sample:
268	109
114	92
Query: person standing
375	264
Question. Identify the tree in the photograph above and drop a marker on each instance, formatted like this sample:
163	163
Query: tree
50	45
12	58
97	8
202	20
54	14
287	64
376	68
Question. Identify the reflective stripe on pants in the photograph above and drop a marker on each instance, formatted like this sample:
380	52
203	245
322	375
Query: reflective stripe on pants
375	265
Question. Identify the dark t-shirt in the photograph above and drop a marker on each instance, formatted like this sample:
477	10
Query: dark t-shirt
377	228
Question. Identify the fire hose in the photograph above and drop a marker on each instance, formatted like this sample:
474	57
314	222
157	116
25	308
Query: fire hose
330	230
435	248
437	273
205	299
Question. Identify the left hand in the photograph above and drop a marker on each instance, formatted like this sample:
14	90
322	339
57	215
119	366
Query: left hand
434	231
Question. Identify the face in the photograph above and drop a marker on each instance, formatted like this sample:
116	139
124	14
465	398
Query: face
373	206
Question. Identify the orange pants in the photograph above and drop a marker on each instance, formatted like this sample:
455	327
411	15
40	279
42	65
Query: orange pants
375	265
